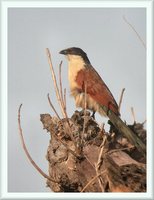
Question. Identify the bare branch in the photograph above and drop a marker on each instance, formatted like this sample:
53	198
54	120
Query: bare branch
89	161
61	104
121	97
121	149
55	81
133	114
65	98
85	109
92	180
53	108
27	153
98	164
101	152
132	27
60	83
69	133
144	122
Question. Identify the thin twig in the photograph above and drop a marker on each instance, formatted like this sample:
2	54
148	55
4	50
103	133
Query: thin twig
133	114
92	180
102	126
69	129
132	27
144	122
98	164
121	149
85	107
55	81
60	83
55	135
81	134
59	118
101	152
53	108
65	98
27	153
89	161
60	101
85	110
121	97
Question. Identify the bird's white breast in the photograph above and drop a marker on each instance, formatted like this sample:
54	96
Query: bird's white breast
75	64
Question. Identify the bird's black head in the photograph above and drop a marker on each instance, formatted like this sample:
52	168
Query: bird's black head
76	51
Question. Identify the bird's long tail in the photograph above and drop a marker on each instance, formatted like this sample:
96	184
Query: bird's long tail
125	130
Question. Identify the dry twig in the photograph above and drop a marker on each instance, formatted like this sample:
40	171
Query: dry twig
133	114
121	149
121	97
53	108
132	27
65	98
85	105
60	84
85	109
92	180
59	99
101	152
55	82
144	122
98	164
89	161
27	153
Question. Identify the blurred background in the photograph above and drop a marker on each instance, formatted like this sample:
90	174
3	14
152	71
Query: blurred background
114	50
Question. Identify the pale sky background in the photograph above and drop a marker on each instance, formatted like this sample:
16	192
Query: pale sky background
113	49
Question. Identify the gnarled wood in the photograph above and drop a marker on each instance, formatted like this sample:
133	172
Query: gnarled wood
103	166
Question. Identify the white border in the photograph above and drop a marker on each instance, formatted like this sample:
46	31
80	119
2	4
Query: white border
3	142
78	4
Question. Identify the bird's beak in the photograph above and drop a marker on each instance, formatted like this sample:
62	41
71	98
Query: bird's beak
64	52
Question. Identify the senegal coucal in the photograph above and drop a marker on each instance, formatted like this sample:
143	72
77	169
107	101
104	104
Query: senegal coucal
83	77
81	73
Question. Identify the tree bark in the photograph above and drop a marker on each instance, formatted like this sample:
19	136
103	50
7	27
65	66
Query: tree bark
107	162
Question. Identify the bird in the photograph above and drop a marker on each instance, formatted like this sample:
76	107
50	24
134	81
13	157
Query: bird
85	80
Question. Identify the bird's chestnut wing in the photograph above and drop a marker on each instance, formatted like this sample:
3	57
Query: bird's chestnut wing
96	88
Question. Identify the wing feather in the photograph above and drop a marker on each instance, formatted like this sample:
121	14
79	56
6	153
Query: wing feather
96	88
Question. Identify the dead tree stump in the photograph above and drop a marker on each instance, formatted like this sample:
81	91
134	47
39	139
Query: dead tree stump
91	160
